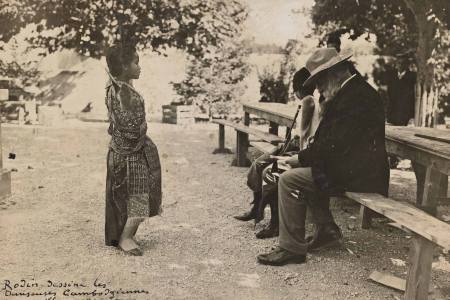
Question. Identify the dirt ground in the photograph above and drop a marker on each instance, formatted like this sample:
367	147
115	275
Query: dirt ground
51	229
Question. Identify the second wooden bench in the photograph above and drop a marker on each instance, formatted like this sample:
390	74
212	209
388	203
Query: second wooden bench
242	141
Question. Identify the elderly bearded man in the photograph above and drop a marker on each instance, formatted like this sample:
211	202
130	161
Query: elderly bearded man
348	154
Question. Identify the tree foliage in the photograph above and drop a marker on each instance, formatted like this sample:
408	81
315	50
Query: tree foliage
204	28
275	82
89	25
215	82
407	31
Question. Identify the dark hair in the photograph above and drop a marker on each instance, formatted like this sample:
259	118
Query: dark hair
299	79
117	56
335	40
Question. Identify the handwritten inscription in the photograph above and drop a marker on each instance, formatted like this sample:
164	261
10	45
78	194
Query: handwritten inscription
53	289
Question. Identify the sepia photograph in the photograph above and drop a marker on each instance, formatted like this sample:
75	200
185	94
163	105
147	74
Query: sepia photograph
224	149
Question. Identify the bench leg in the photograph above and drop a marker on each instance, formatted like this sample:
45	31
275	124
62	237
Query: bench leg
440	185
366	217
432	190
246	119
273	128
419	272
419	171
241	159
222	148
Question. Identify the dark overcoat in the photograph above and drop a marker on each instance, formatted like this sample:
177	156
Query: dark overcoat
348	152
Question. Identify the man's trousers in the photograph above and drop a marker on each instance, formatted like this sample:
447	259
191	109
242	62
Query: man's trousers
296	193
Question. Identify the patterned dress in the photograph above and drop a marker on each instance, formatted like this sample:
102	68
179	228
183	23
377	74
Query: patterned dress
133	181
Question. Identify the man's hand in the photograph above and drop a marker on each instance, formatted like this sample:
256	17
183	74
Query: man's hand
286	162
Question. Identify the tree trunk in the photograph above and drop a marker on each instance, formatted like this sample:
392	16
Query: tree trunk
426	92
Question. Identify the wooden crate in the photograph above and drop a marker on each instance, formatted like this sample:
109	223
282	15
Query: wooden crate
169	114
5	84
178	114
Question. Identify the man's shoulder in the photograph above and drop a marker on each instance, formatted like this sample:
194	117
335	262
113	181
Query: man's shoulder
358	87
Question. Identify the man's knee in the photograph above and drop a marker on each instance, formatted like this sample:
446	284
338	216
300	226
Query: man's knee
285	180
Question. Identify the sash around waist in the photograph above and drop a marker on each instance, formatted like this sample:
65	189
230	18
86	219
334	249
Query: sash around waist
129	147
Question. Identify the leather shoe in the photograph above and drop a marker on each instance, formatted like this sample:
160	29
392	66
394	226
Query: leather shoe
246	216
269	231
281	257
325	236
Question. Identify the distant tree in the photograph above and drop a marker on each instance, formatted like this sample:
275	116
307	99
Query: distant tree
272	86
414	30
215	82
275	82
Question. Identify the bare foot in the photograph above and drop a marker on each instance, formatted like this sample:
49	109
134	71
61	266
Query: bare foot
136	240
128	244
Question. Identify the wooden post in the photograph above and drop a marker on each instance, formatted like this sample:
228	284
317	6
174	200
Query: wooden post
5	175
273	128
419	272
221	137
366	217
242	149
222	148
432	190
419	171
1	148
421	252
443	189
247	119
441	185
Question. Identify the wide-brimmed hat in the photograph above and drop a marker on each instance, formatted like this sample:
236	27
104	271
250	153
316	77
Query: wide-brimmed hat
323	59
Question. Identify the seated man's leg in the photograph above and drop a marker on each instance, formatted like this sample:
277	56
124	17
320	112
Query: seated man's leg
326	233
296	192
254	179
269	196
254	182
292	212
292	208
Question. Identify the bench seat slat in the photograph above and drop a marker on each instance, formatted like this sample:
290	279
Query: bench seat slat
263	146
407	216
272	138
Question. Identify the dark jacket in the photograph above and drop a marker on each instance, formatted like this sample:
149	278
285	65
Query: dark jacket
348	152
401	98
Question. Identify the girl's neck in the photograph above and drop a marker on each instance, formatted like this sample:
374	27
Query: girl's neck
125	79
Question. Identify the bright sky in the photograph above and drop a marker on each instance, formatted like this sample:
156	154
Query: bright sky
273	21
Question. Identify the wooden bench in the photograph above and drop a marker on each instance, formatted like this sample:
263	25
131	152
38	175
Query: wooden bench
242	141
428	232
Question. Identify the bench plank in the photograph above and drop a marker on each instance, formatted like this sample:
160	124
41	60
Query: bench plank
407	216
272	138
263	146
278	113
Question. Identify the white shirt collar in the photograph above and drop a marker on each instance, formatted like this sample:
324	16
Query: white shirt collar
347	80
